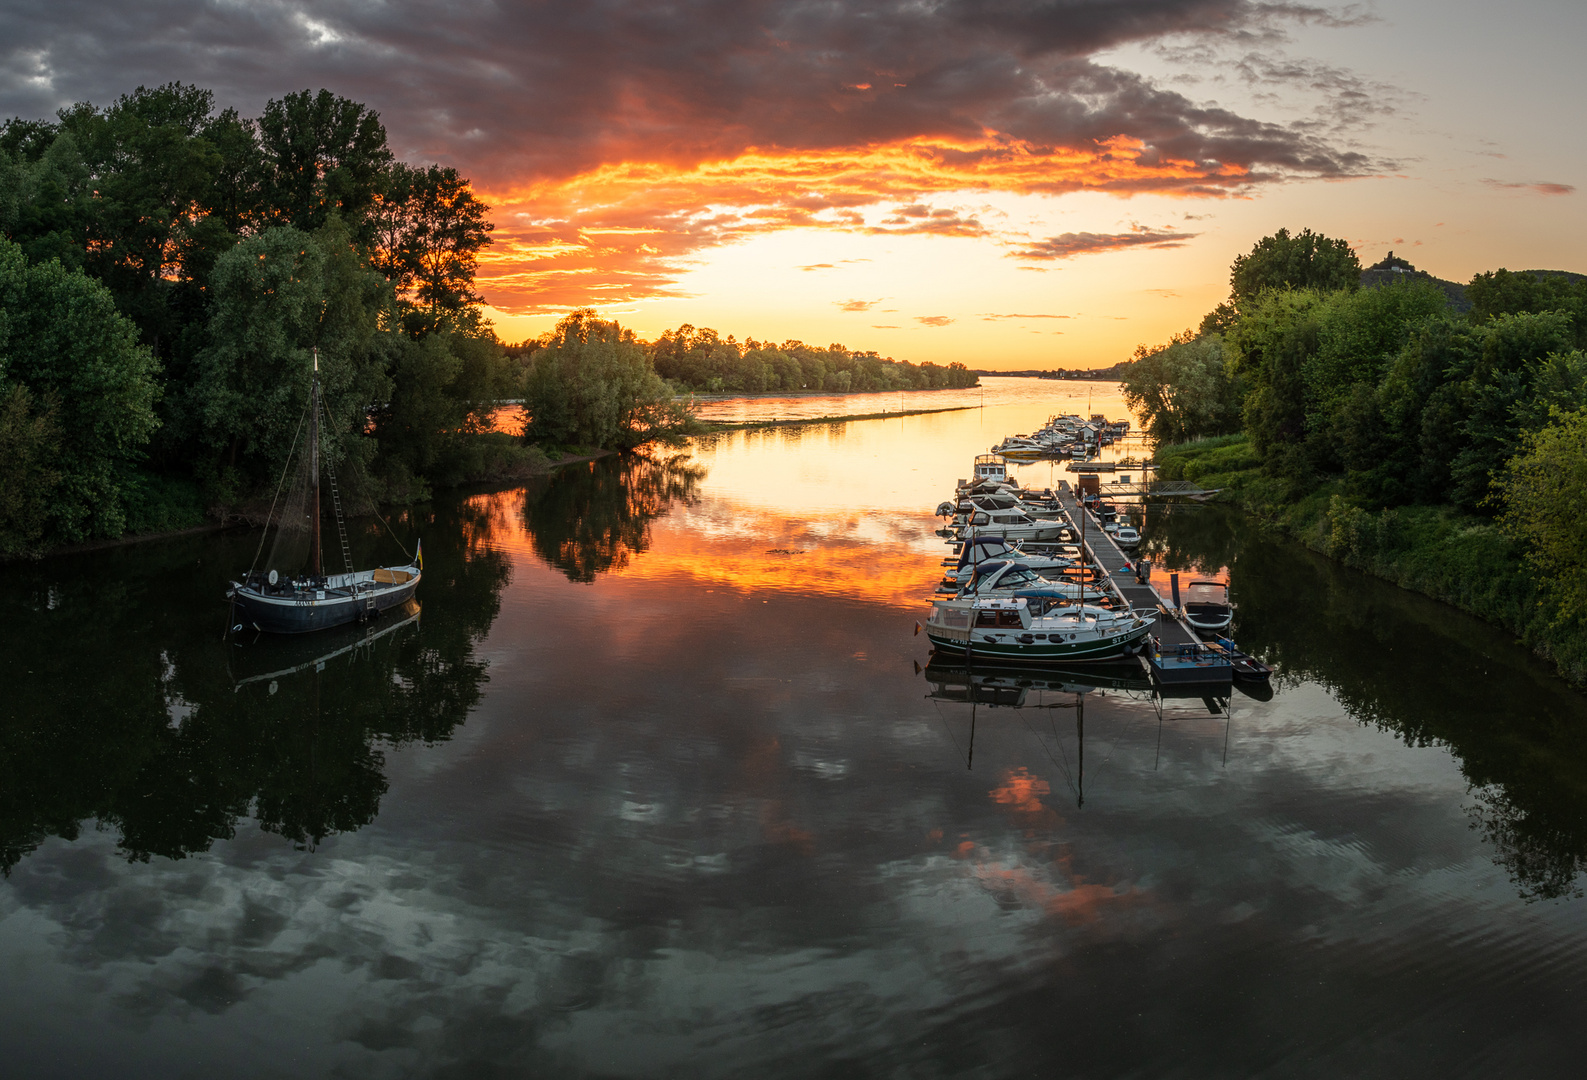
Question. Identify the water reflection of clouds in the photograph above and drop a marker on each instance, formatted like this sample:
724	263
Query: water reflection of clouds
687	832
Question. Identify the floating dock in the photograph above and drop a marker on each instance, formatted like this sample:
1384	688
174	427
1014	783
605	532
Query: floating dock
1180	658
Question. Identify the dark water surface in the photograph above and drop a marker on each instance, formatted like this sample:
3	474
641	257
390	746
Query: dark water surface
652	787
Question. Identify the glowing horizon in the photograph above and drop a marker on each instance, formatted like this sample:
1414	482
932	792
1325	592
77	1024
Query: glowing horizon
1015	184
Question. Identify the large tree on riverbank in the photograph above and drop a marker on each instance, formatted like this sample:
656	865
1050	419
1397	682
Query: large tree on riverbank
234	246
77	396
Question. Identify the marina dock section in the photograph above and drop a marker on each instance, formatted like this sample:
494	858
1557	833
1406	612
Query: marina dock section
1179	656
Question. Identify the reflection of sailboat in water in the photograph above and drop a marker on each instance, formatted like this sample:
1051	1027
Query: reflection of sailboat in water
281	598
283	658
1005	687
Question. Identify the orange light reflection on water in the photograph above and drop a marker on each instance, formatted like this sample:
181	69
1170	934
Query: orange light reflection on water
841	509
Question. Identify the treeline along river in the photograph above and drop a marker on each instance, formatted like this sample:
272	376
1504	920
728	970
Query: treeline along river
652	786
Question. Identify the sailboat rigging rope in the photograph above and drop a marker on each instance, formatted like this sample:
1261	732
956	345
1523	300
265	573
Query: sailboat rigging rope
372	508
287	465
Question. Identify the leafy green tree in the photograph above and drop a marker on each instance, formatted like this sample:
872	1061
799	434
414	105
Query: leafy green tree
592	385
429	230
1306	260
1273	343
153	173
277	296
1544	495
1507	292
30	440
1359	334
322	155
1183	390
50	204
1500	385
437	422
89	401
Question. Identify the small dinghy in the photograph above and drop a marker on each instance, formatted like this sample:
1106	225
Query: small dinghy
1207	606
1251	676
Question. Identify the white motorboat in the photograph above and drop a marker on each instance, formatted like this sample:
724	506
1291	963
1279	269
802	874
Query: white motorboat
984	549
1010	577
1008	524
1128	538
1011	630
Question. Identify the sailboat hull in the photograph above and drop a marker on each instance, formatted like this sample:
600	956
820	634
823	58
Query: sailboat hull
347	599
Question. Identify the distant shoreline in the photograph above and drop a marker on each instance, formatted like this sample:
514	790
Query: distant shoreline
713	427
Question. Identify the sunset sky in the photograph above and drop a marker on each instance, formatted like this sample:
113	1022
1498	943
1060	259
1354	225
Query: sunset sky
1010	184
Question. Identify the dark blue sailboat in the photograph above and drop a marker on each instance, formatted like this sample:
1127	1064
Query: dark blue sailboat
296	603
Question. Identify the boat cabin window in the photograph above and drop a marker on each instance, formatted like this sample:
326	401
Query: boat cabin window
952	617
1001	617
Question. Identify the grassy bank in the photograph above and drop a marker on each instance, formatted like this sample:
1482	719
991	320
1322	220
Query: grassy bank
1435	550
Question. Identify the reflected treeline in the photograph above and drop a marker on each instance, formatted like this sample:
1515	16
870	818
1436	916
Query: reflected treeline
1417	668
587	521
124	706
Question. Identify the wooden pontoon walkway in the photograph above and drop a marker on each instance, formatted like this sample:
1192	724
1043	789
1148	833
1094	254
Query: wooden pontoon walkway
1102	552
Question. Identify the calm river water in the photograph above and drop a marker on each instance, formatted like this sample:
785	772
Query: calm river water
653	787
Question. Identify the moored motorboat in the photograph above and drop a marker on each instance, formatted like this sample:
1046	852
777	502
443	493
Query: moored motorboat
1011	578
1207	607
1251	676
1012	630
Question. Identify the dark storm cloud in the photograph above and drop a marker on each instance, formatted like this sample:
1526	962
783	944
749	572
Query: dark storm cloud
518	91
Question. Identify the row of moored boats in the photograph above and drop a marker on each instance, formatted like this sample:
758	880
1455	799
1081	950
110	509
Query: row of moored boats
1020	587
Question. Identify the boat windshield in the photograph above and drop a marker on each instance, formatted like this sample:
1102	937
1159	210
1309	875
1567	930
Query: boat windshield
1206	592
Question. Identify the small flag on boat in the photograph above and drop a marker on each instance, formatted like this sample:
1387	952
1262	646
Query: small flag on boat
418	555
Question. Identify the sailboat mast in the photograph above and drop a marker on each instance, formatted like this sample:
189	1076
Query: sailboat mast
315	569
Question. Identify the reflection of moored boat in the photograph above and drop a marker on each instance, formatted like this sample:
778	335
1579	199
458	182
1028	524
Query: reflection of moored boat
954	681
1009	630
283	657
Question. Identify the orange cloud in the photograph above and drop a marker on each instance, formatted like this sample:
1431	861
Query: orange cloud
628	231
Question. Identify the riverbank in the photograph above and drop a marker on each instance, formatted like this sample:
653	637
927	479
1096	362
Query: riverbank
233	517
709	427
1457	558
